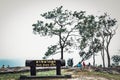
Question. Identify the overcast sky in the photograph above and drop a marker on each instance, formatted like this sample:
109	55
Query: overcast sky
17	16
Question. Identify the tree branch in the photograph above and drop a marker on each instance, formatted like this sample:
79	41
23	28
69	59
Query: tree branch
68	36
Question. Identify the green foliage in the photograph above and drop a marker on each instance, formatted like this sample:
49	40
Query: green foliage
51	50
58	17
106	25
62	23
87	27
80	15
89	43
85	55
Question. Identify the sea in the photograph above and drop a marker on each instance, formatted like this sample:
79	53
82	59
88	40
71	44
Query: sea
12	63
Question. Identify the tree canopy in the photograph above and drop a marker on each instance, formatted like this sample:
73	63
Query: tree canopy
62	23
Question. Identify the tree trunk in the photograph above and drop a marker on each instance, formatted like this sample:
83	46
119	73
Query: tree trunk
103	58
94	59
82	60
61	46
61	52
108	56
107	50
103	53
93	54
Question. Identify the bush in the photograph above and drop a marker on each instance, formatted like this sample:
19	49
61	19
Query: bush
116	59
70	62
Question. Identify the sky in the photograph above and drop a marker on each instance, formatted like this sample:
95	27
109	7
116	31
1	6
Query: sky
17	40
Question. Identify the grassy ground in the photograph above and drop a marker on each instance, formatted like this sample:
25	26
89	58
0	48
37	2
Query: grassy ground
15	76
10	76
74	73
79	73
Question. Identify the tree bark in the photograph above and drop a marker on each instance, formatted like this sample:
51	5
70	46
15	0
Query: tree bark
94	59
108	56
102	52
107	49
61	52
103	57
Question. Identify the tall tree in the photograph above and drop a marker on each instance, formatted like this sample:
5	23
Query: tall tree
61	23
107	31
89	45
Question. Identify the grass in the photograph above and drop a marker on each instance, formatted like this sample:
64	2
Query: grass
47	73
15	76
97	74
10	76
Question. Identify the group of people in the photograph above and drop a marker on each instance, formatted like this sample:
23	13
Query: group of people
82	65
3	66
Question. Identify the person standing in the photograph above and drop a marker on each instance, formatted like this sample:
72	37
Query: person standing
79	65
84	64
89	65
